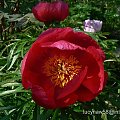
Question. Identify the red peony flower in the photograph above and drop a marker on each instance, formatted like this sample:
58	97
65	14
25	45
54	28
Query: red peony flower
62	67
49	12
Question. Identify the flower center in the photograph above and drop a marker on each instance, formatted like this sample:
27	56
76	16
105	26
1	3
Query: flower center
61	70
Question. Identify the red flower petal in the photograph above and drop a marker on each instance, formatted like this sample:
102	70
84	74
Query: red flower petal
84	94
92	83
61	9
56	34
23	62
62	45
96	55
67	100
41	11
84	40
30	74
44	96
67	34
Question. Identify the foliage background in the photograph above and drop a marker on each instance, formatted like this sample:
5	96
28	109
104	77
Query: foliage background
19	29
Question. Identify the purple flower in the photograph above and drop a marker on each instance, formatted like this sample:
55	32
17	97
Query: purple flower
92	25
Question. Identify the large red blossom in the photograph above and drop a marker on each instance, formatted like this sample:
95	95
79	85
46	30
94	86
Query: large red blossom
62	67
48	12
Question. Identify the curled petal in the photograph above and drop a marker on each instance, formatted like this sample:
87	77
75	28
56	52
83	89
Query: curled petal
84	94
44	97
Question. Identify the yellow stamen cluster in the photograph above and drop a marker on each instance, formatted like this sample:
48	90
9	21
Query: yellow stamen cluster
61	70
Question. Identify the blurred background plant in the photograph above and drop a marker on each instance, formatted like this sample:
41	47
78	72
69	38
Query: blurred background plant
19	29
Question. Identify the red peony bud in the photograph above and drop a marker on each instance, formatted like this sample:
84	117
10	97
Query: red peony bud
49	12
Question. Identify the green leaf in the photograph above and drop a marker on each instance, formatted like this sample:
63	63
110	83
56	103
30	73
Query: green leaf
77	109
64	115
46	114
7	108
119	91
36	113
104	116
11	84
18	89
13	61
56	114
21	112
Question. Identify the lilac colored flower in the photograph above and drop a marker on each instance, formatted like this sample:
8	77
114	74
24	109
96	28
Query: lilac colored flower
92	25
